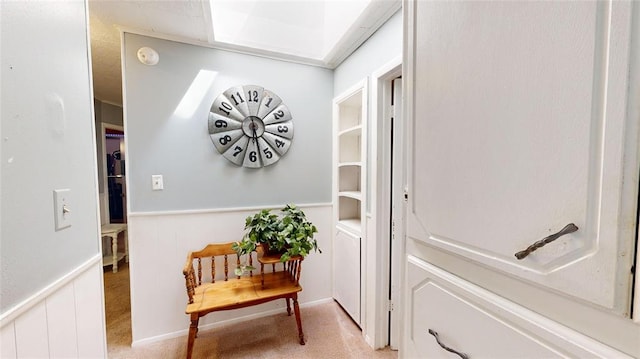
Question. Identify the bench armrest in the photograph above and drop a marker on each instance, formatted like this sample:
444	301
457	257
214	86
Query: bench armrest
189	277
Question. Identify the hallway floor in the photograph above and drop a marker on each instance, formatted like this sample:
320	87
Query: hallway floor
329	333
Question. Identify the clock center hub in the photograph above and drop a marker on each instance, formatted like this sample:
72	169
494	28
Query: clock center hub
253	126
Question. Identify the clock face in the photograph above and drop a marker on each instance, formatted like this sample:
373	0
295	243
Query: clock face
250	126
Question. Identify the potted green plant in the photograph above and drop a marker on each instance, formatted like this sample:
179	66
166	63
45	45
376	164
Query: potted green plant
289	235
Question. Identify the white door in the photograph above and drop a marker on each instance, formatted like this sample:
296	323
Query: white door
516	129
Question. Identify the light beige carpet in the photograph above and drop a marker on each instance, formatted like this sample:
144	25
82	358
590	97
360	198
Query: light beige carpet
329	333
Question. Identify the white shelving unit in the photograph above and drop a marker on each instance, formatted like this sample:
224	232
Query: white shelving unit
350	113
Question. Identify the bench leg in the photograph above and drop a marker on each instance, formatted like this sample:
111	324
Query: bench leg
193	331
296	309
288	307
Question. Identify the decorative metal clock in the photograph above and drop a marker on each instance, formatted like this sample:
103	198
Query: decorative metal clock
250	126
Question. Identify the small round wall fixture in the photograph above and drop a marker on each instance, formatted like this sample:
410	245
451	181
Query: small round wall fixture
250	126
148	56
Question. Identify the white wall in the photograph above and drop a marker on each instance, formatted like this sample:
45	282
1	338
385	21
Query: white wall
51	285
158	247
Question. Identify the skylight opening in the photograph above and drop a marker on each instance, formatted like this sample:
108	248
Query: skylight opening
304	28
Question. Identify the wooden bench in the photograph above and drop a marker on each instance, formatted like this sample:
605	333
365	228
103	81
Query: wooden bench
215	291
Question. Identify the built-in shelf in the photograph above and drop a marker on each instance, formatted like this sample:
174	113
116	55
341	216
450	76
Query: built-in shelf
349	170
352	131
349	208
349	149
352	225
349	164
351	194
349	179
350	112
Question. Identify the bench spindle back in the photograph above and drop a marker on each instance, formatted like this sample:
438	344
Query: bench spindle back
194	278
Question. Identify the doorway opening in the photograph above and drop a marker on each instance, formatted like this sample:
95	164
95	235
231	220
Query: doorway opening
115	171
113	204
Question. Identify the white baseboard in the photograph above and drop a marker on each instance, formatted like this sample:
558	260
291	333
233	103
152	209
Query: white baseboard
369	341
185	332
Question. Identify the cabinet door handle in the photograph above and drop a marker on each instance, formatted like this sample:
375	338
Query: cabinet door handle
569	228
435	335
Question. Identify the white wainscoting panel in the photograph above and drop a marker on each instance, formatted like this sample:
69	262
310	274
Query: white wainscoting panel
61	323
66	320
32	334
89	303
8	342
158	247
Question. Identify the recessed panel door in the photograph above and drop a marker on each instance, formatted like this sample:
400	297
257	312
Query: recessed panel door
516	120
346	272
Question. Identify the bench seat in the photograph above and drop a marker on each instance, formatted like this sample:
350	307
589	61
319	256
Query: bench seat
238	293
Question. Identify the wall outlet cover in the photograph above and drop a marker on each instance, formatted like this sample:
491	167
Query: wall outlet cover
157	183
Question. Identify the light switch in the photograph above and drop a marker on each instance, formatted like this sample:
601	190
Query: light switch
156	182
61	208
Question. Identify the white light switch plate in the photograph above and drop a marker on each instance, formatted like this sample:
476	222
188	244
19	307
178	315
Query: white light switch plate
61	208
156	182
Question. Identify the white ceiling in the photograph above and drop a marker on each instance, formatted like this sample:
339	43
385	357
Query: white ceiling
306	31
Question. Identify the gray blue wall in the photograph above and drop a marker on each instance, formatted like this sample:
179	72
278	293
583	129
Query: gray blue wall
47	143
164	141
383	46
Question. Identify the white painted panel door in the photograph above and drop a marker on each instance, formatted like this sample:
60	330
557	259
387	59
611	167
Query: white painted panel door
480	324
346	273
516	118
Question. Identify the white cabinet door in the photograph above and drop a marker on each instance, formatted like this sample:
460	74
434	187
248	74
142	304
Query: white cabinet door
346	273
516	128
477	323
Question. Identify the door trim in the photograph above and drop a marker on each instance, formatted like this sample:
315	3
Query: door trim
633	131
378	331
